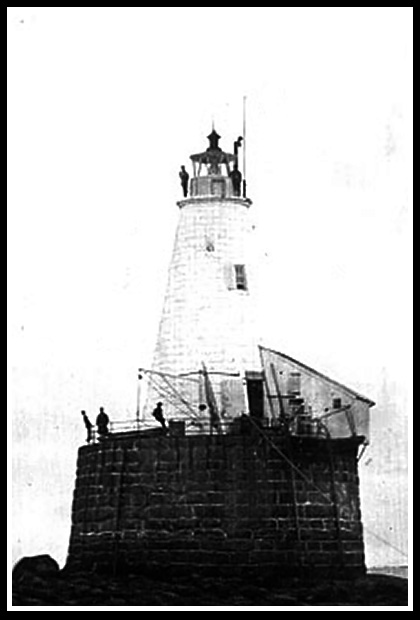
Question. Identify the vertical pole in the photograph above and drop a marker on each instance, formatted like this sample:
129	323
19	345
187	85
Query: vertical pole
279	394
242	377
267	388
289	448
139	378
244	149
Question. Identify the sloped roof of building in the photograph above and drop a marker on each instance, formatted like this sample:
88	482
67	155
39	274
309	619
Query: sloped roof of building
316	373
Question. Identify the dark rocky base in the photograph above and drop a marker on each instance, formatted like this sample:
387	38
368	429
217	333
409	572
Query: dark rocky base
70	588
218	504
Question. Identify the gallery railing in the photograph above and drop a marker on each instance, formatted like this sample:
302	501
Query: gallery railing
303	426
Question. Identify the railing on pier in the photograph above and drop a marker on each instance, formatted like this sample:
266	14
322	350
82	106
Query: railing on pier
304	426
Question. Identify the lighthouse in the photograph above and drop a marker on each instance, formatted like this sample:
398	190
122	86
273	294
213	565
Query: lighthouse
207	339
209	366
246	459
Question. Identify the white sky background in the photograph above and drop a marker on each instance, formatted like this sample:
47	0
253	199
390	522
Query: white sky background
104	106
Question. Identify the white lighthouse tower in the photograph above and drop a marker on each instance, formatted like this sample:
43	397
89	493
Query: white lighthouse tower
208	366
207	344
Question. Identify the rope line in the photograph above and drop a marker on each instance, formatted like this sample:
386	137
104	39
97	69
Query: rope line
385	542
302	475
163	393
181	398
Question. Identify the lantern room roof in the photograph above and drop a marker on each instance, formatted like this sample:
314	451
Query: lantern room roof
213	153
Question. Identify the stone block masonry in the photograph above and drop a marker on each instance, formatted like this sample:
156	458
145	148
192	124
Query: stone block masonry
218	504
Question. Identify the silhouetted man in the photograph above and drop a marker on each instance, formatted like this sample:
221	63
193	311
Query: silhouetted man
102	422
158	415
89	427
236	177
184	176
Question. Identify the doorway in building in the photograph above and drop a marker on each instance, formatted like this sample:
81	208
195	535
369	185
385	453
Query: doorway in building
255	393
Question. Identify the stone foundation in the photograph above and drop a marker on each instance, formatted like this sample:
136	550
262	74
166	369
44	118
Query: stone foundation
221	504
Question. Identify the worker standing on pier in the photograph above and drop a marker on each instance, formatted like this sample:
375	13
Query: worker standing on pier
157	413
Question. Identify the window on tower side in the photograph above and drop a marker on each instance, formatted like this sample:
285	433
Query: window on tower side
294	384
240	278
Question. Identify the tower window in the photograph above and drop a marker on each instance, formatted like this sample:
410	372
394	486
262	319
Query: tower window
336	403
218	187
240	278
293	384
209	245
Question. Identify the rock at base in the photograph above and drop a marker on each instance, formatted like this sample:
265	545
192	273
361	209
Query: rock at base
40	565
